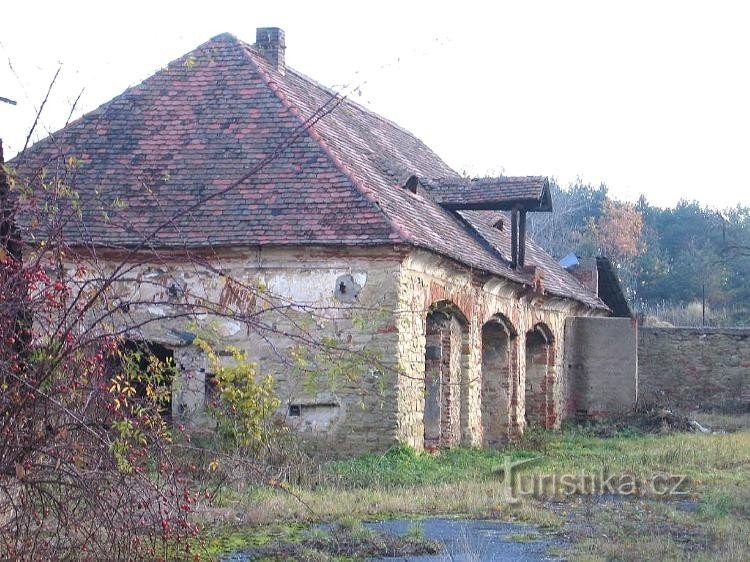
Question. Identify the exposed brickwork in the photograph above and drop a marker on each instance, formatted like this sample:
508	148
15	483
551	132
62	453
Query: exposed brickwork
426	280
542	405
694	368
498	375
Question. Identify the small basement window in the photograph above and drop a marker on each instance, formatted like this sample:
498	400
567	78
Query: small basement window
295	410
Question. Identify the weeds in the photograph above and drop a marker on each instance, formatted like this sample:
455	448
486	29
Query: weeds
710	521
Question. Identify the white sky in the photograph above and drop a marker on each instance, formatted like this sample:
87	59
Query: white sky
648	97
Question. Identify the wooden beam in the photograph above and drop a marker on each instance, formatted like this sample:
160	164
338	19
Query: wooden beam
514	238
522	239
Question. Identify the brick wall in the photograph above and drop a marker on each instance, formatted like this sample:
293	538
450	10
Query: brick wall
690	367
426	279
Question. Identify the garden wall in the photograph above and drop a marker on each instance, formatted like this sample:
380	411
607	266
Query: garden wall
690	368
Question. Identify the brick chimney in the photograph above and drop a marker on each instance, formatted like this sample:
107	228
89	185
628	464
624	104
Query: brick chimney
587	273
270	43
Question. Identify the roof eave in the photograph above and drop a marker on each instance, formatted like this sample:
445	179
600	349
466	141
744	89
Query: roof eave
529	205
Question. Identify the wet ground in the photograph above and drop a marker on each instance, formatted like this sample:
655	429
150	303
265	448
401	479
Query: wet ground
468	540
463	540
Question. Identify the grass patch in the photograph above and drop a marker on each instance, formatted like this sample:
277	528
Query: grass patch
225	538
724	422
523	537
401	466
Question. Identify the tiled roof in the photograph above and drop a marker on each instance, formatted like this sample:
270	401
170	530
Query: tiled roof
491	193
246	155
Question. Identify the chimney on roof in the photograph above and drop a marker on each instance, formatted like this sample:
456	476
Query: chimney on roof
587	272
270	43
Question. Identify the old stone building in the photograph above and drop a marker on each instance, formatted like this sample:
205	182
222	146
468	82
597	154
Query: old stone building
258	189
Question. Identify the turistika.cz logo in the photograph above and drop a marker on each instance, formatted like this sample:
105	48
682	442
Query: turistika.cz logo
600	483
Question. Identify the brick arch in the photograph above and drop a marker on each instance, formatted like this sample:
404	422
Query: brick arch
539	376
461	300
499	379
504	322
446	333
448	308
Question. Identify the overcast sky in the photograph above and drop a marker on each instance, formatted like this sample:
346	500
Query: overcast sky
647	97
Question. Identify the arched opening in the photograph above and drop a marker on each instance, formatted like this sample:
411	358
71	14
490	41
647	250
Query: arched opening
498	375
445	333
539	361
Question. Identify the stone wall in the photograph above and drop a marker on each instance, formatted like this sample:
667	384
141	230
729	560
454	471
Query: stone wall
691	368
296	313
291	310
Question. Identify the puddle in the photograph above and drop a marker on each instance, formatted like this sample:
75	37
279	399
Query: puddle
466	540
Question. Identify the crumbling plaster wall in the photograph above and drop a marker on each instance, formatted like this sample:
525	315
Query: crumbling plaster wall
427	279
297	301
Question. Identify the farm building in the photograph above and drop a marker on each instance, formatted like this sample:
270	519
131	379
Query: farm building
311	218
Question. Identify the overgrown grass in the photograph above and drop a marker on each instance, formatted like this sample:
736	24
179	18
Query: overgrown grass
724	422
402	466
715	525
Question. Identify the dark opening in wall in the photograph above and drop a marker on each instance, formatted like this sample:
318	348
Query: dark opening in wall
149	363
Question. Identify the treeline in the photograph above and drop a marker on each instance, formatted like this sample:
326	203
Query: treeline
668	259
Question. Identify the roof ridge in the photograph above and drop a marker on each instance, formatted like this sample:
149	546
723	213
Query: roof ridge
399	231
346	99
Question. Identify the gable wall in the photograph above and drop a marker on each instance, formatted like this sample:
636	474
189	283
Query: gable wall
296	303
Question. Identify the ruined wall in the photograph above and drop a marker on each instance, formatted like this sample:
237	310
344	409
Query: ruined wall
694	367
602	365
299	304
427	279
373	301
